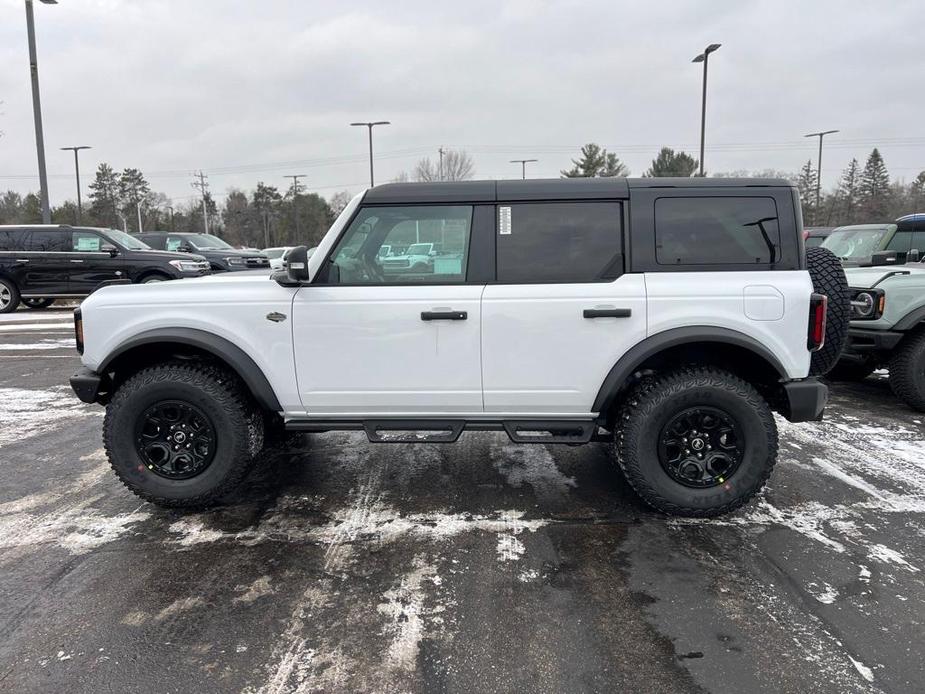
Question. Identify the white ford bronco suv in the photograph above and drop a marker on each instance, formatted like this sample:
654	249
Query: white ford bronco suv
668	316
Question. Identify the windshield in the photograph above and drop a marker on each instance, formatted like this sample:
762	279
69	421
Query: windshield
418	249
206	242
273	253
127	241
854	243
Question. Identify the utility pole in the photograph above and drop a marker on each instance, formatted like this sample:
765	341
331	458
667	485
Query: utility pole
523	166
816	210
77	174
173	226
295	198
441	151
370	125
704	58
37	109
203	187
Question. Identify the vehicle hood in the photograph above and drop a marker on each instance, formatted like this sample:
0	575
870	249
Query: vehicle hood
866	277
170	255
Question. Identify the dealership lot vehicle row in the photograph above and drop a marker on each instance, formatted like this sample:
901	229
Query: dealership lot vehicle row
481	566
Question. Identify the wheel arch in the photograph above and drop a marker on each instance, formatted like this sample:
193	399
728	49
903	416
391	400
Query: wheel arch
729	349
160	343
148	272
911	319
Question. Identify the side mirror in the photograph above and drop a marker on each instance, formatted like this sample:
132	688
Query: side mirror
109	248
885	258
297	265
914	256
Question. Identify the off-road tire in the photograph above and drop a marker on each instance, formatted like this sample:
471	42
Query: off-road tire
828	278
37	304
851	370
654	402
237	423
11	290
907	370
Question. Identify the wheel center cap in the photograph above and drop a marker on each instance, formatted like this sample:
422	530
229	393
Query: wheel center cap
697	444
179	437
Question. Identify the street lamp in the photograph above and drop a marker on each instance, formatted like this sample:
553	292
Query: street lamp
370	126
523	165
819	170
37	109
704	58
77	173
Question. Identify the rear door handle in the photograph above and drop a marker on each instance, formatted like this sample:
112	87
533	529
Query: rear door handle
75	260
22	260
608	313
444	315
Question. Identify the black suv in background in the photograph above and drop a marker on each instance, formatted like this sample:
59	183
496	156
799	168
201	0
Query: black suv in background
221	256
41	263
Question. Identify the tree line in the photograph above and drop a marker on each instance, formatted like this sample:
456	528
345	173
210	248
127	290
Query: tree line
269	216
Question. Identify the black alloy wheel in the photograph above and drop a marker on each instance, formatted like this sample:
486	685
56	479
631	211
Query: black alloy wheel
175	439
701	447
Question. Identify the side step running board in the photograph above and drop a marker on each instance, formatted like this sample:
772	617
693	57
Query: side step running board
412	430
545	431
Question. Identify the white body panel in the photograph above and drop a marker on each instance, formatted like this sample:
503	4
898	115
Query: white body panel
233	306
540	355
367	350
726	299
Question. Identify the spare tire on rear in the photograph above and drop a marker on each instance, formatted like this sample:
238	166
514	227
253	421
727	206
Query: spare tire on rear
828	278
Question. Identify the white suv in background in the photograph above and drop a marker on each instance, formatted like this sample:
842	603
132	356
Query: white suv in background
668	316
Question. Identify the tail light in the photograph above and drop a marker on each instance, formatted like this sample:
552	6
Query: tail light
79	331
818	305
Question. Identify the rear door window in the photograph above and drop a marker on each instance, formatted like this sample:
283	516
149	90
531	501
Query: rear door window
49	242
12	239
559	242
716	231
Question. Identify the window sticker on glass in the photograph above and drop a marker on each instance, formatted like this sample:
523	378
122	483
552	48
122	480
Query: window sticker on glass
504	220
88	243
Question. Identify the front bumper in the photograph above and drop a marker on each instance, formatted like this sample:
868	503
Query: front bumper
806	400
86	384
862	343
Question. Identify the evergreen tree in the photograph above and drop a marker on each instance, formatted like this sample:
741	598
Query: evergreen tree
874	189
671	163
806	184
105	197
847	193
596	161
133	191
917	193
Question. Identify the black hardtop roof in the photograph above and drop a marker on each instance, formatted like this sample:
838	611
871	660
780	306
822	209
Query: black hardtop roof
546	189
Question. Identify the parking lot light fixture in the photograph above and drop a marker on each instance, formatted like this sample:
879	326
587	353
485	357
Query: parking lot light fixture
816	215
77	173
37	109
370	125
704	58
523	166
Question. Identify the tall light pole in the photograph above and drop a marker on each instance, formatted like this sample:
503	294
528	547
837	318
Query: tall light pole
295	198
370	126
77	173
704	58
819	170
37	110
523	166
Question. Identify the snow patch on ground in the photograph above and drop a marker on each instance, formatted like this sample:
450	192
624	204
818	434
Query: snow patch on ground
405	610
27	413
862	669
509	547
65	343
824	593
178	606
531	464
77	529
890	556
255	590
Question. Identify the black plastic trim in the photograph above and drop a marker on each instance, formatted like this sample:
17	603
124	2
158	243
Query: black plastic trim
230	353
86	384
865	341
630	362
911	319
806	400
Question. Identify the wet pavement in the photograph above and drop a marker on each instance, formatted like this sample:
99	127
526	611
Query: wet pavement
482	566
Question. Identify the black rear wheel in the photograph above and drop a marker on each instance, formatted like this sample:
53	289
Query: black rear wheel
182	434
696	442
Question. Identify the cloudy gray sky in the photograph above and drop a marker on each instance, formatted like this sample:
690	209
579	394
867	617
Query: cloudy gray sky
253	90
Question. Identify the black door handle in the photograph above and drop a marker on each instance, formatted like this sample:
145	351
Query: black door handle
444	315
607	313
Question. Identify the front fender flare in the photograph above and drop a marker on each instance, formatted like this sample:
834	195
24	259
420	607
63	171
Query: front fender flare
239	361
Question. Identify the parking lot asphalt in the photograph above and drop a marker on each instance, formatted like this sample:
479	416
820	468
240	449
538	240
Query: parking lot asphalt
477	567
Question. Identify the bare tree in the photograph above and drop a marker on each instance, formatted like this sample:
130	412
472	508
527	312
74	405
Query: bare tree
454	165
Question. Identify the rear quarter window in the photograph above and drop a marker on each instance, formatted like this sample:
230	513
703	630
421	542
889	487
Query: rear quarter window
49	242
716	231
12	239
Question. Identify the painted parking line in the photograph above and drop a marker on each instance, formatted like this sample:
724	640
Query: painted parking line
31	317
36	326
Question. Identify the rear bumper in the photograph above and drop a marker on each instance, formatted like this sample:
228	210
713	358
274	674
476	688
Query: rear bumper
86	384
806	400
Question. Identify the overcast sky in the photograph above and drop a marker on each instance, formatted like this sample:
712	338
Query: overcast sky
254	90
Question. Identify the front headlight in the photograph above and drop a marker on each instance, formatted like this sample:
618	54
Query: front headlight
867	304
235	261
186	265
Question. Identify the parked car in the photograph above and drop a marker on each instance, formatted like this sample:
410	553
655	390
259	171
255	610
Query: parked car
41	263
418	257
222	257
887	328
814	236
673	332
856	244
276	256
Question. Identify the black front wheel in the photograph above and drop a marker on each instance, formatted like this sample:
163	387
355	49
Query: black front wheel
181	434
696	442
38	303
